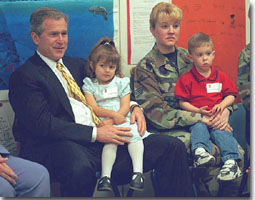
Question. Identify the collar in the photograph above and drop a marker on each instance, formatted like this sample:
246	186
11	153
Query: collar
160	59
199	77
107	85
49	62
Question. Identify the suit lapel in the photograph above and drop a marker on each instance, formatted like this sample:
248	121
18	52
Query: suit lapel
55	84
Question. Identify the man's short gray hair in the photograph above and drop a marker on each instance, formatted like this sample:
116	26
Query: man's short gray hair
38	16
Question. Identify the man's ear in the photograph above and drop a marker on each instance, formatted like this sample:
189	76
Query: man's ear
35	38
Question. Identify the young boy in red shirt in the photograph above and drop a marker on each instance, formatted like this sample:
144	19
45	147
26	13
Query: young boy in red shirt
208	91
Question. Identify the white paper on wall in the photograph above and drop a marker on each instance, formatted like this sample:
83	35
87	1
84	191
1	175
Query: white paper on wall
140	38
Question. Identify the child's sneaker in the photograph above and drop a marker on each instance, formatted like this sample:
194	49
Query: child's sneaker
229	171
137	183
204	159
104	184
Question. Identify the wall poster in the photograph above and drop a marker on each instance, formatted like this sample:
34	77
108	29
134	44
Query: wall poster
88	22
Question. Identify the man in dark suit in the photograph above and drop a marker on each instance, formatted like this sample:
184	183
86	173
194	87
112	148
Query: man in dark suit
58	131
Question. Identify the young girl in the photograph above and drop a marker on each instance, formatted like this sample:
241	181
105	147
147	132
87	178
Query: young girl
109	96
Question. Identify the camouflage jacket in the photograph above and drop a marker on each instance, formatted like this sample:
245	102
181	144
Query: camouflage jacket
153	83
243	78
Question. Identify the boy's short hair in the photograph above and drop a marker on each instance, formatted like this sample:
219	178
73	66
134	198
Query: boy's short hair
164	9
197	40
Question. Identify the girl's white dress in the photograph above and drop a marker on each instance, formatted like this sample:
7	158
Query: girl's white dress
108	97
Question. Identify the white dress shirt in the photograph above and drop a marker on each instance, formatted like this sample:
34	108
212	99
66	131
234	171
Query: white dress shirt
82	113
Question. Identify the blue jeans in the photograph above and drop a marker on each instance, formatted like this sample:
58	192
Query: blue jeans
203	136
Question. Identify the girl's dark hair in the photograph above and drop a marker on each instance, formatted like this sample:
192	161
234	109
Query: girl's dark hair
104	49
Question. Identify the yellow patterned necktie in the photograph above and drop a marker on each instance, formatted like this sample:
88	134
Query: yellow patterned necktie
75	91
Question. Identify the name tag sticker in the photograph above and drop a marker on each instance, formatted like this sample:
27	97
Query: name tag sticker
110	92
213	87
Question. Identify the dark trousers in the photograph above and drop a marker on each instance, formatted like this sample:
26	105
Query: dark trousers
75	166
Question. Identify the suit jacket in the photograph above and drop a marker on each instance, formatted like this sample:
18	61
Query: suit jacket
41	104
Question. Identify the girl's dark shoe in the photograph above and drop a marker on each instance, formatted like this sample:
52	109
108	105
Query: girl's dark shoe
104	184
138	182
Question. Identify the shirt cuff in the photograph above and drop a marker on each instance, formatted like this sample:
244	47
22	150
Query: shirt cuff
94	134
133	103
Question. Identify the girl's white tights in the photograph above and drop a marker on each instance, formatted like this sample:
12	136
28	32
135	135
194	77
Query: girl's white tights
108	158
135	150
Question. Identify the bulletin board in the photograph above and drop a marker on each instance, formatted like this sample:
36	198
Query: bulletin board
224	21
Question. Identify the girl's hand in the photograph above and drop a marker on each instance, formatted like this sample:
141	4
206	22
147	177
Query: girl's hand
119	118
203	111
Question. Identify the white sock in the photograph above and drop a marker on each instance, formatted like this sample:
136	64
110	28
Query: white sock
230	162
199	150
108	159
135	150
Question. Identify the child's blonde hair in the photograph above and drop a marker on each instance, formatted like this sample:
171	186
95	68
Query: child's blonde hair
104	49
164	9
198	40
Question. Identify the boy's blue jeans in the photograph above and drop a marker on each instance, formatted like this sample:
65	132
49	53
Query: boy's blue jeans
203	136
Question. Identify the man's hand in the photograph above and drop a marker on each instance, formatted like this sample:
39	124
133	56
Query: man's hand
218	108
6	172
220	121
138	116
112	134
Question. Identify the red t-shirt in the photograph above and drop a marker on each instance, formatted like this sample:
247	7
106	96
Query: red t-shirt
200	91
